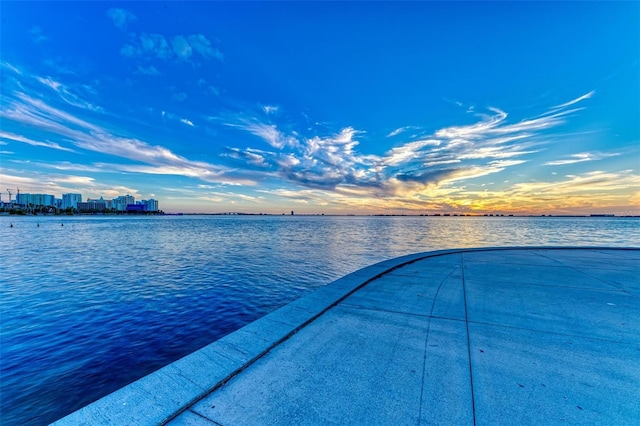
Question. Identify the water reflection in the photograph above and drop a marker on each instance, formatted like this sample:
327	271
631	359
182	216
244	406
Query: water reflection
95	304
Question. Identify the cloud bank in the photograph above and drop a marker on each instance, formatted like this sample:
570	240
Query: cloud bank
333	163
431	171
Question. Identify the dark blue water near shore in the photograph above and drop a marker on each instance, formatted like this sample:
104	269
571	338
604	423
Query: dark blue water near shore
91	306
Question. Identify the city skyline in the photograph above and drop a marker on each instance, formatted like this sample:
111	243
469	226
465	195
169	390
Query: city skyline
27	200
336	108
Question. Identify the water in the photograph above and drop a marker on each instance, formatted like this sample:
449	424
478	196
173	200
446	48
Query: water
93	305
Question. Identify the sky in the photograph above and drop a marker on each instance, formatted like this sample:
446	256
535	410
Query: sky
325	108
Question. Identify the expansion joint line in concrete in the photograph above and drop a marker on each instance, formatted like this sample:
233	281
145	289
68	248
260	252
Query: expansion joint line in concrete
466	321
579	271
426	342
213	423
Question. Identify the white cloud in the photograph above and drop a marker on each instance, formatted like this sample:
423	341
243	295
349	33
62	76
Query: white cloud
202	45
490	145
85	180
46	183
150	70
22	139
580	158
50	83
400	130
67	95
487	124
148	45
11	68
576	100
154	159
121	17
267	132
180	47
209	89
409	151
37	35
180	96
270	109
409	173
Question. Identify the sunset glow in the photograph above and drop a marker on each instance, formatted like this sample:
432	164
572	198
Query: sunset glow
326	108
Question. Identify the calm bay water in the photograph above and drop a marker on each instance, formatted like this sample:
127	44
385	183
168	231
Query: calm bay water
92	303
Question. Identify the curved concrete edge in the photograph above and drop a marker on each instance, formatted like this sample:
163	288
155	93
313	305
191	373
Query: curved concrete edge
167	392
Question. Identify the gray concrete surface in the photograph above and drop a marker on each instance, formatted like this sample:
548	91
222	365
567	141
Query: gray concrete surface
486	336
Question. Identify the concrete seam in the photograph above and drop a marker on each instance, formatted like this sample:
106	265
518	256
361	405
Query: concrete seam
586	274
533	330
466	315
205	418
426	342
411	314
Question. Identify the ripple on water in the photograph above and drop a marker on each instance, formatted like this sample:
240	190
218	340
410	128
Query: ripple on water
98	303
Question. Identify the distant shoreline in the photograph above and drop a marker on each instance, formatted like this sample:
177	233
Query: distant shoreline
400	215
436	215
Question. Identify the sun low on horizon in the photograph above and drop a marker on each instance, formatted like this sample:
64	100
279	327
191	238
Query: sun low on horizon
325	108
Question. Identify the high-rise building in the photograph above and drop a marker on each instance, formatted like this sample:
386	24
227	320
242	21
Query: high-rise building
108	204
71	200
151	205
120	203
92	205
35	200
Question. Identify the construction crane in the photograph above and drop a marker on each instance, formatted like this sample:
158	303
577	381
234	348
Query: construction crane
9	191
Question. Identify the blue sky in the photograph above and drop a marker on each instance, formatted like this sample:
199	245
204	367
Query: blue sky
421	107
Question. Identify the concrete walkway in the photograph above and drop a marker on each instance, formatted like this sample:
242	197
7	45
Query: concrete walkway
488	336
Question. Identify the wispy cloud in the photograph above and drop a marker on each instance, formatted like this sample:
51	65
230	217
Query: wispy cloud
37	35
11	68
53	183
270	109
328	168
22	139
209	89
66	94
68	166
180	47
148	70
581	157
149	45
266	131
179	96
576	100
584	191
400	130
121	17
452	154
152	159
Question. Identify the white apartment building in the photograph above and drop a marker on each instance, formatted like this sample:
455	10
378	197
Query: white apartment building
151	204
120	203
71	200
35	200
108	204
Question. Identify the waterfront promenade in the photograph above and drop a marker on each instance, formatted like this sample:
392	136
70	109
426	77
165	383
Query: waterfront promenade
487	336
